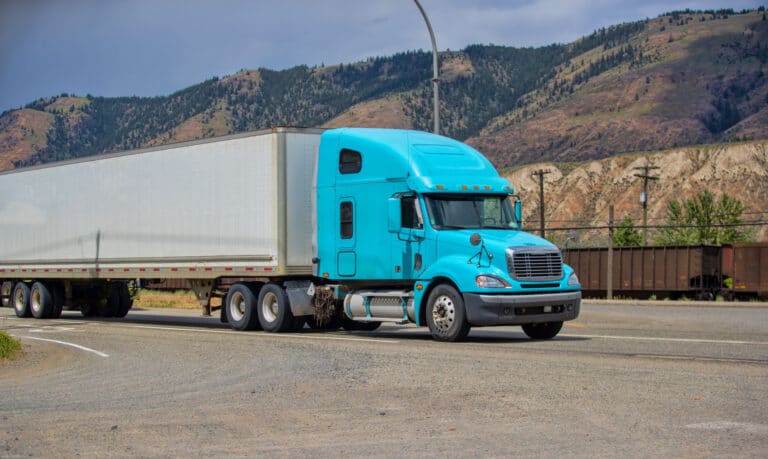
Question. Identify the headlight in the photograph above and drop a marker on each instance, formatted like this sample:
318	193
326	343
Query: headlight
490	282
573	279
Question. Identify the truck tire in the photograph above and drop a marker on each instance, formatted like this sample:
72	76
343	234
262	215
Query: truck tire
88	309
6	290
57	293
446	316
240	305
40	301
20	300
126	302
110	307
547	330
275	309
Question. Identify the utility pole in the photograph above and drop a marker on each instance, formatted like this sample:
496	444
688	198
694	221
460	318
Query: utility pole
646	175
435	78
540	173
609	267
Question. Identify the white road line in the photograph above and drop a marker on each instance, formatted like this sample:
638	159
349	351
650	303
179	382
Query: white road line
64	343
670	340
55	329
265	335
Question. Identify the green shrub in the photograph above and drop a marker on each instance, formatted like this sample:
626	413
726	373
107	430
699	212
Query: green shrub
8	346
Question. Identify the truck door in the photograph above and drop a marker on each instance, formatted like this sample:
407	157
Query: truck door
409	237
346	258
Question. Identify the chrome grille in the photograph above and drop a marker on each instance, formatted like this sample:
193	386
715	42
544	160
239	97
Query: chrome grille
534	264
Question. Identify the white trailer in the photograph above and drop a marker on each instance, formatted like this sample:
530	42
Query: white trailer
234	207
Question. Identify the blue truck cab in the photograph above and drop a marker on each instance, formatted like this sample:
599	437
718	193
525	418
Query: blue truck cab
416	227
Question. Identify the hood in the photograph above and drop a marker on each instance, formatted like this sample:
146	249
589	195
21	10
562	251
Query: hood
496	241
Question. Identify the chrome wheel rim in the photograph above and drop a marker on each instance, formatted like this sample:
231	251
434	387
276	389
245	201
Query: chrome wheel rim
443	313
237	306
18	300
269	307
34	302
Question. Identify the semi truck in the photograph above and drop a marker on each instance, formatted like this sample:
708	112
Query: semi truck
347	227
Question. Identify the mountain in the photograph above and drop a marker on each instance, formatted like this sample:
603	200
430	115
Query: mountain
684	78
681	79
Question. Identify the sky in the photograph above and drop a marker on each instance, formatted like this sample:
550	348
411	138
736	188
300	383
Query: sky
156	47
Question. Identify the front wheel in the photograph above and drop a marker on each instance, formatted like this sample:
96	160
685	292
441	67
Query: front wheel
547	330
446	315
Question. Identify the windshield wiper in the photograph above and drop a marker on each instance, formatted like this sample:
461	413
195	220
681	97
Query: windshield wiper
453	227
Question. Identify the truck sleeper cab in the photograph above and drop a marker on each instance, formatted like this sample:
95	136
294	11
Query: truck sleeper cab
425	232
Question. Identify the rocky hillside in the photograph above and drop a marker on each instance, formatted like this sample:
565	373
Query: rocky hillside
579	194
686	78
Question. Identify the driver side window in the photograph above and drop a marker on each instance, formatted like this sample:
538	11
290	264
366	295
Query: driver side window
411	213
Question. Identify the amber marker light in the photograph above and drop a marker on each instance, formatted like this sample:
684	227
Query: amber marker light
419	287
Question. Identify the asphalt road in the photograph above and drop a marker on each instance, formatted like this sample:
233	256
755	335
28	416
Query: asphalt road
634	381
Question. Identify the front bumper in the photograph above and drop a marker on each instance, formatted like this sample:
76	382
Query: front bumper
521	309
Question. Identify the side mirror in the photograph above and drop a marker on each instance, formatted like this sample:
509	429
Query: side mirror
394	220
519	213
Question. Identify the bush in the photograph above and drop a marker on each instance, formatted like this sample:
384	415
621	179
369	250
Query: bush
9	346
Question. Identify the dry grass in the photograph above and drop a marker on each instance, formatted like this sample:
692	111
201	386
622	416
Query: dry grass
180	299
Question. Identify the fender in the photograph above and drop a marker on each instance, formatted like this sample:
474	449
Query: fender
454	268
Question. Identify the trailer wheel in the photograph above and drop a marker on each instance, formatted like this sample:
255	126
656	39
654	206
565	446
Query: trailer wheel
446	317
126	303
88	309
40	301
275	309
20	300
57	293
546	330
5	293
109	306
240	307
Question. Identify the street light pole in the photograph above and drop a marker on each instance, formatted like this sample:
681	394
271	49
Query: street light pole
435	78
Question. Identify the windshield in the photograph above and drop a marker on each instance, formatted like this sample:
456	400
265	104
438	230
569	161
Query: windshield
470	212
